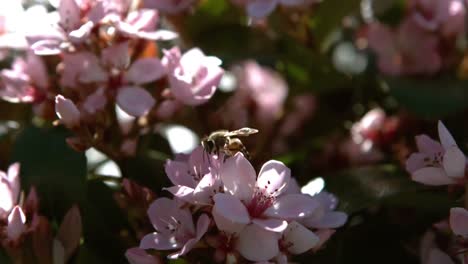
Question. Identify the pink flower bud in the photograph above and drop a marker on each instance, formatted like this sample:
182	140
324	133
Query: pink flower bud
67	111
16	224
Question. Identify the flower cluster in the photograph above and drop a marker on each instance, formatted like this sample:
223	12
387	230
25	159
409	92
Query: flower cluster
442	163
25	234
423	43
225	206
109	71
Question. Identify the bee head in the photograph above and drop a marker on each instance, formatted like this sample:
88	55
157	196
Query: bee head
208	145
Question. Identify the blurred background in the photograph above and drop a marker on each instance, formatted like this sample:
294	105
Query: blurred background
337	89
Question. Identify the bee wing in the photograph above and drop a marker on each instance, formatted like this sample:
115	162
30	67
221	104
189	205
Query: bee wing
245	131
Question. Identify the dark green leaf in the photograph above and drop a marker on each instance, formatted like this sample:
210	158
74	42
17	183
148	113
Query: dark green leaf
49	164
430	98
103	222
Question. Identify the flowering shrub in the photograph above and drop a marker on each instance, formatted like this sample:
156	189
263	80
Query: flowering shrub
233	131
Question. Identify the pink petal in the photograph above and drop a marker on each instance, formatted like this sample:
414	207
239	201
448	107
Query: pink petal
162	35
327	220
202	225
428	145
257	244
327	200
159	241
67	111
81	34
261	8
46	47
69	232
182	192
16	224
14	180
459	221
445	137
164	211
116	56
454	162
238	177
177	172
69	14
95	102
143	19
436	256
139	256
299	238
270	224
415	162
324	235
206	188
273	177
292	206
145	70
432	176
135	100
37	71
231	208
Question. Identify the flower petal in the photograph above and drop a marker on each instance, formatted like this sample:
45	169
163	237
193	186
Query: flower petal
257	244
139	256
67	111
182	192
231	208
459	221
69	233
145	70
177	172
69	15
299	238
270	224
415	162
432	176
328	220
428	145
135	100
273	177
16	224
159	241
445	137
292	206
238	177
116	56
454	162
260	8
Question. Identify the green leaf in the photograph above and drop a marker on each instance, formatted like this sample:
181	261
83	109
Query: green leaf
103	222
430	98
363	187
329	15
49	164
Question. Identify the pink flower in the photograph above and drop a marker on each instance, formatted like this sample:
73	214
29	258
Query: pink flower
446	16
67	111
16	225
437	163
193	77
69	233
26	81
169	6
296	239
459	221
255	209
195	177
174	228
139	256
431	253
9	189
408	50
369	126
324	217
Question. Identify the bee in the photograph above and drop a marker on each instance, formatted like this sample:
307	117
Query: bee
226	142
